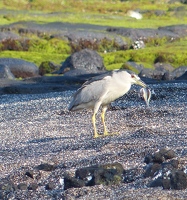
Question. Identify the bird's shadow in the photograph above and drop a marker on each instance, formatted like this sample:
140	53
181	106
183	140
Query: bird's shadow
47	139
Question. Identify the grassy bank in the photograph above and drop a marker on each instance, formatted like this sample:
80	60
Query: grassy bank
108	13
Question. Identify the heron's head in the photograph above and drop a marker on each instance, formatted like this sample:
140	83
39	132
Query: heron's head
136	80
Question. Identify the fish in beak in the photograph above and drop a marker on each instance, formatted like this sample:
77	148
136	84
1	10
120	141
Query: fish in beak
145	93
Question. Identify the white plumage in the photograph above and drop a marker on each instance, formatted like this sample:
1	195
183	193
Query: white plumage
102	90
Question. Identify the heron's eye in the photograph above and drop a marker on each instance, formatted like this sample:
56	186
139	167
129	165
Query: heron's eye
132	76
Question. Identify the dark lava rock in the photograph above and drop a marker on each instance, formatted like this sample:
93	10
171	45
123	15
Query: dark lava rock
163	66
106	177
166	183
166	76
148	159
147	73
52	28
130	175
176	29
30	174
75	72
86	174
70	182
48	67
172	164
33	186
85	59
5	72
6	35
183	77
166	174
34	174
167	153
22	186
160	156
46	167
174	179
178	180
111	174
151	169
156	183
162	176
50	186
107	174
158	73
20	68
85	39
177	73
38	85
117	166
135	34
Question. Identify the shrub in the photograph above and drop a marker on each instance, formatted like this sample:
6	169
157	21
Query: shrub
15	45
157	41
105	44
47	67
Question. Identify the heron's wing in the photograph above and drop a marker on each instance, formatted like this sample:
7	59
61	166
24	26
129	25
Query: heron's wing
97	78
93	82
104	75
90	92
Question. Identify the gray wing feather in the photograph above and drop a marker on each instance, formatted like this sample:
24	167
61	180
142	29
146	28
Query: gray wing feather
91	90
98	78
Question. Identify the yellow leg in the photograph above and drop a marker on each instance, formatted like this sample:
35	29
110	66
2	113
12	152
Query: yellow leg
94	126
103	120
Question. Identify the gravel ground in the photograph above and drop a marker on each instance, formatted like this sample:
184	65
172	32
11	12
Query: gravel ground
38	128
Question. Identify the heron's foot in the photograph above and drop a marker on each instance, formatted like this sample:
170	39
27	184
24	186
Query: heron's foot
105	134
96	135
109	134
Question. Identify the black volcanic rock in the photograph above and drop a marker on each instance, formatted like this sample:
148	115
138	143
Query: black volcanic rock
86	59
45	167
5	72
135	34
20	68
178	180
6	35
179	72
183	77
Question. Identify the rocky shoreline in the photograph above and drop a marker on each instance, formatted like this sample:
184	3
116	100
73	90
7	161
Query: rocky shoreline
47	152
83	64
37	129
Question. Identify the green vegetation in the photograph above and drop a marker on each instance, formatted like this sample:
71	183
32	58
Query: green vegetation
34	57
50	46
174	53
101	12
40	48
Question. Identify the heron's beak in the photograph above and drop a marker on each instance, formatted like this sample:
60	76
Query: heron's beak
141	83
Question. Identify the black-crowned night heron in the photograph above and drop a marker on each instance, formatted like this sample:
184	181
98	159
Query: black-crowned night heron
101	91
